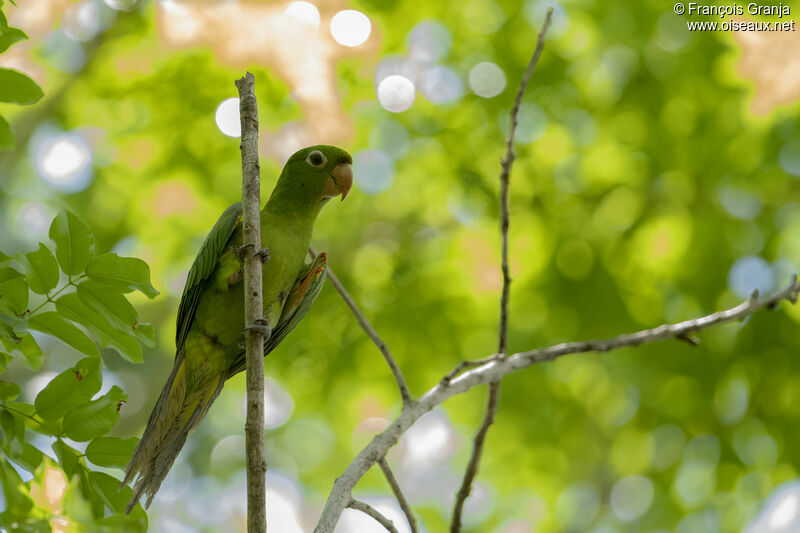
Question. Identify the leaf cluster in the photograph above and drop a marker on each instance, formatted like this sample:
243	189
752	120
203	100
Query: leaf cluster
15	87
80	299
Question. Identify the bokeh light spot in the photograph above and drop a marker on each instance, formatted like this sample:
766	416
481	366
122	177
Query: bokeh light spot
350	27
278	404
81	21
739	203
789	158
441	85
304	12
428	41
396	93
487	79
227	118
631	497
390	136
781	513
731	399
531	126
750	273
121	5
577	506
373	171
63	160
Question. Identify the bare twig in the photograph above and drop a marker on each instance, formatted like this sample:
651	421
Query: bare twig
398	493
474	460
256	331
370	331
371	511
494	387
496	369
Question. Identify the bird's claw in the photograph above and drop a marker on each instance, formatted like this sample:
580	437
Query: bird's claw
261	326
263	253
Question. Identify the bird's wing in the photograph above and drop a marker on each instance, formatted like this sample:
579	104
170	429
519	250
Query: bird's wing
203	266
302	295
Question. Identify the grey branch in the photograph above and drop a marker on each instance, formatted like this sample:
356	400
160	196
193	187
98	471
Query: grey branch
495	369
255	328
370	331
371	511
398	493
475	458
494	388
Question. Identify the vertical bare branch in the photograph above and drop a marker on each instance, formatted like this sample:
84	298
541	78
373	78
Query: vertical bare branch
253	308
371	333
494	387
401	499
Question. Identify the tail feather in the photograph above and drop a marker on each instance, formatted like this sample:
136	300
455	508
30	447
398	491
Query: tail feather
174	416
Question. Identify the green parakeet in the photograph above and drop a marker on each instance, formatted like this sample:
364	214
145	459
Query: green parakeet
210	325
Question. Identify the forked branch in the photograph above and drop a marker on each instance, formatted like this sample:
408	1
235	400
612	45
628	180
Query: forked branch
495	369
494	388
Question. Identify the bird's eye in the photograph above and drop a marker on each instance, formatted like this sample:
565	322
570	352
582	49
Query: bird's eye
316	159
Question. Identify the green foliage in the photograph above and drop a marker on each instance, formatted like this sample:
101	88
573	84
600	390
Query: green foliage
86	309
15	87
641	177
74	242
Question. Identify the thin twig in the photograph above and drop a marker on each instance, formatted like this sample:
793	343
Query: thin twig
475	459
398	493
494	388
496	369
371	511
371	333
255	330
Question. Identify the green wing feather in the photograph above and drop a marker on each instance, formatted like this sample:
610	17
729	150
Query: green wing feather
302	295
203	266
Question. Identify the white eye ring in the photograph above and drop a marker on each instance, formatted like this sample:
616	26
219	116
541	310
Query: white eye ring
316	159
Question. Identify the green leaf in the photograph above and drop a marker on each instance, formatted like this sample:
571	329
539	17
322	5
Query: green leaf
74	504
11	36
28	457
124	341
8	390
74	242
108	488
68	458
96	418
109	302
54	324
5	359
111	451
15	493
13	289
127	273
4	259
27	347
42	270
31	421
146	334
17	88
7	139
71	388
13	429
3	20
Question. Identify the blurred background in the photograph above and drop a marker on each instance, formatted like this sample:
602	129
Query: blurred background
656	181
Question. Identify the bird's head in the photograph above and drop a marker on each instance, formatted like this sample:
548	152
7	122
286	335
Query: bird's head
316	174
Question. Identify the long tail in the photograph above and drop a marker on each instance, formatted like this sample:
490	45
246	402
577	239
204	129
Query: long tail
174	416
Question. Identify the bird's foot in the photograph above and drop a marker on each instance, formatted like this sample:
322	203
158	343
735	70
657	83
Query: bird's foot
263	253
235	278
261	326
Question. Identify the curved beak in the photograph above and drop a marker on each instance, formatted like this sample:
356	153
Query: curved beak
342	177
